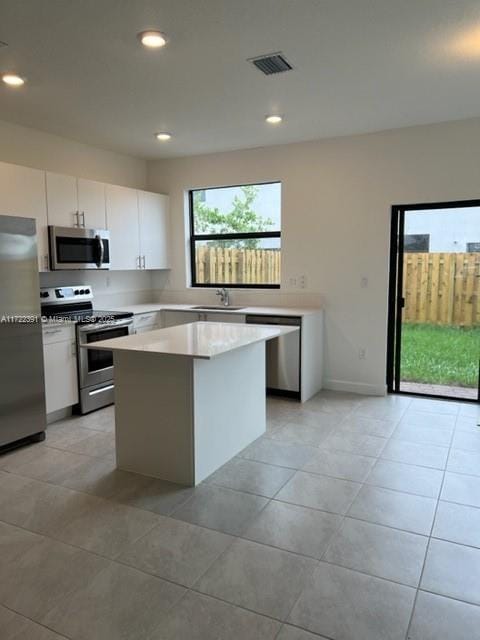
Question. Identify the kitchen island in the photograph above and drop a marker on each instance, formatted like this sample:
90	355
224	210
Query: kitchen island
188	398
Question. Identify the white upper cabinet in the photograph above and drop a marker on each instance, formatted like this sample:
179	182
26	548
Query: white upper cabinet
138	221
122	223
91	204
22	193
153	225
62	200
73	202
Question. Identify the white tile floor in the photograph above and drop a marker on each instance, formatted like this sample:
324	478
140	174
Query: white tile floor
353	518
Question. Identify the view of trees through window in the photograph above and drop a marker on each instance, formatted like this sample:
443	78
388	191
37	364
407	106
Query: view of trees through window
236	235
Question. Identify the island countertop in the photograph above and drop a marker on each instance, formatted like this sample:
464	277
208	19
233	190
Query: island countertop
203	340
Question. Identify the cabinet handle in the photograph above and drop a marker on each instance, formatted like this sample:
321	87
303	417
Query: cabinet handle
83	219
138	261
77	223
143	260
51	332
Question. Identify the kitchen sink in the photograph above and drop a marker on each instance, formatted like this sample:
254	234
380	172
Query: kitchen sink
216	307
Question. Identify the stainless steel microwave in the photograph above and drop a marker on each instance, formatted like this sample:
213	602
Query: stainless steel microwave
78	248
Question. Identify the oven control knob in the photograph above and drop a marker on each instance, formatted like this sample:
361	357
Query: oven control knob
87	290
82	291
76	292
44	294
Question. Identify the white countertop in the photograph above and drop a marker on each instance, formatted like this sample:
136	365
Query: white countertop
203	340
148	307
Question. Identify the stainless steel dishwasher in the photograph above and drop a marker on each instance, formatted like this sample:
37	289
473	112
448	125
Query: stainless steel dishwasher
283	356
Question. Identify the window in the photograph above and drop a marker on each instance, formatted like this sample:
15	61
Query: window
235	236
473	247
416	243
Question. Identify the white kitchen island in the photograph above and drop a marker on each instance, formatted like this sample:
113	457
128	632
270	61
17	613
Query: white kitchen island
188	398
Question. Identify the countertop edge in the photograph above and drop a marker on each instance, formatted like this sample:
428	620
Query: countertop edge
147	307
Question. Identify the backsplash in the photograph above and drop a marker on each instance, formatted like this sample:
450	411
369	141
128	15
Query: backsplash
162	292
110	288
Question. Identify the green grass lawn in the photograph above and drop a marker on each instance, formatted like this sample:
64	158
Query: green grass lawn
440	355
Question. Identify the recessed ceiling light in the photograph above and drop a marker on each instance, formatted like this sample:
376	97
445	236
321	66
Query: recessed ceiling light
152	39
163	136
273	119
13	80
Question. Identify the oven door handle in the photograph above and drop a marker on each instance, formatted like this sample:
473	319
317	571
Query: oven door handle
101	327
101	251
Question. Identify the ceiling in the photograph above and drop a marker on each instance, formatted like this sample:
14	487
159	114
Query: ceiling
359	66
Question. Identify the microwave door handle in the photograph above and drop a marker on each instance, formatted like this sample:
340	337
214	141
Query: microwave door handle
101	251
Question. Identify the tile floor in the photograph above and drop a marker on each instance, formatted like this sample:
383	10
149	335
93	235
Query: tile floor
353	518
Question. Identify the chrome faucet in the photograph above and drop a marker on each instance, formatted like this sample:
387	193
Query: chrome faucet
224	296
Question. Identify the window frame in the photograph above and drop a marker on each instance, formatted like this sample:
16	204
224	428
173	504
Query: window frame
225	236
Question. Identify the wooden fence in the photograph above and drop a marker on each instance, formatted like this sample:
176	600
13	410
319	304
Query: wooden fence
237	266
442	288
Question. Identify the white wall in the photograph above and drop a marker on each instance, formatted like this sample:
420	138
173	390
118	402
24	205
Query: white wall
33	148
336	199
111	289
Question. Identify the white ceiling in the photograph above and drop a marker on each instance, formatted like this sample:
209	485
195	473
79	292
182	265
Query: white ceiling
360	65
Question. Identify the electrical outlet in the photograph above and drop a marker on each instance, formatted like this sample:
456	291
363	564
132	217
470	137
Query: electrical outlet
293	282
302	282
362	353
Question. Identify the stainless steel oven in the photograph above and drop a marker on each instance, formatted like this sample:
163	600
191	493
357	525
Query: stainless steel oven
78	248
95	367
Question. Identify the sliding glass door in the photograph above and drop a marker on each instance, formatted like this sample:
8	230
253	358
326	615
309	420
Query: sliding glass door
434	305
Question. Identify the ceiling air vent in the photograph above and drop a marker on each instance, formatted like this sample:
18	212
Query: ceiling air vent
3	44
271	63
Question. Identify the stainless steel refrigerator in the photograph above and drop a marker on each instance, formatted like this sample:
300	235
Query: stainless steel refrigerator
22	388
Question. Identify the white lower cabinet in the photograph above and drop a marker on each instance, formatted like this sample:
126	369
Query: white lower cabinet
143	322
174	318
224	317
60	364
150	327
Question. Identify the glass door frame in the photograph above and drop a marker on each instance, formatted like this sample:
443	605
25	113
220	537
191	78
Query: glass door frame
396	301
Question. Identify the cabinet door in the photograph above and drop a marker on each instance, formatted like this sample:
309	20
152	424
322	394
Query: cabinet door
122	222
153	218
61	388
22	194
174	318
91	204
62	200
144	321
225	317
151	327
